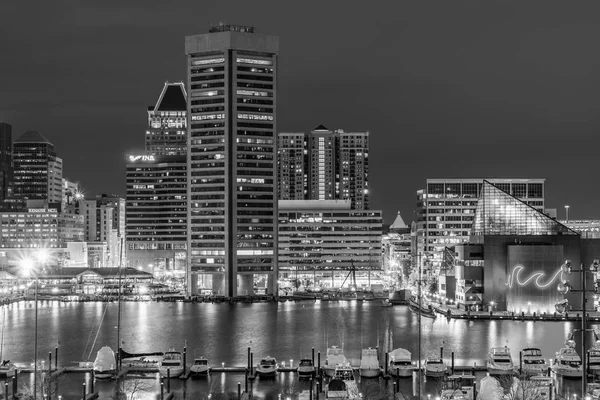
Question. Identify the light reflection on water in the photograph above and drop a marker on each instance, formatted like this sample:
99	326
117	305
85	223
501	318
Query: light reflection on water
289	330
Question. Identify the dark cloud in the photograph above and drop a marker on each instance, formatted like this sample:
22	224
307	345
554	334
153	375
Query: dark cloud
447	88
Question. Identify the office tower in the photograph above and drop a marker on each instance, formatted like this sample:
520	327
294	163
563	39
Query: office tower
37	169
291	166
448	206
156	217
353	168
232	82
100	233
118	204
323	241
6	161
167	122
330	165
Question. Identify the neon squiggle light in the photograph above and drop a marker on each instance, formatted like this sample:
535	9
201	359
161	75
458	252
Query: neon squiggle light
514	276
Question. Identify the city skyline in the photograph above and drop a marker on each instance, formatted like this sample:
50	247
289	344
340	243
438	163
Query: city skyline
524	83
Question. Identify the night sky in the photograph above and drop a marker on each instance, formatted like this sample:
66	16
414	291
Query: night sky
447	88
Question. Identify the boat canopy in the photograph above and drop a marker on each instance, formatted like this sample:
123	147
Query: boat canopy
268	361
500	351
400	354
334	351
532	352
337	385
306	362
369	352
105	359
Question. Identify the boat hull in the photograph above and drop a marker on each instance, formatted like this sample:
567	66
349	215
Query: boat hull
204	370
499	371
402	372
266	371
328	371
306	372
369	372
567	372
104	374
8	372
172	372
595	370
433	373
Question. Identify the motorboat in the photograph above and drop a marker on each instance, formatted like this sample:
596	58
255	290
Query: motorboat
533	361
267	367
458	387
369	363
435	367
594	360
342	384
306	369
141	361
333	358
7	369
105	364
567	363
386	303
500	361
200	366
171	364
426	309
400	363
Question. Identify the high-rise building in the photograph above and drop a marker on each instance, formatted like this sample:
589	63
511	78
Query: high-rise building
353	168
291	166
37	169
167	122
448	206
6	161
324	165
232	207
101	219
156	225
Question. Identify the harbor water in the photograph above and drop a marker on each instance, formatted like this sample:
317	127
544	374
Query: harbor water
287	331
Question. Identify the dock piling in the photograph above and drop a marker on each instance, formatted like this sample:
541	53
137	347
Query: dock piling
520	362
49	361
310	385
397	383
319	364
246	381
394	389
385	367
442	353
15	383
91	381
313	356
168	380
249	363
84	390
184	358
252	365
452	365
6	390
162	390
56	357
239	391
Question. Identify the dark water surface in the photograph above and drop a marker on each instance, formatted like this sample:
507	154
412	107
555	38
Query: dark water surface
287	331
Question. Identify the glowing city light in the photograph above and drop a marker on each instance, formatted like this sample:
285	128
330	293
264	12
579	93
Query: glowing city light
514	276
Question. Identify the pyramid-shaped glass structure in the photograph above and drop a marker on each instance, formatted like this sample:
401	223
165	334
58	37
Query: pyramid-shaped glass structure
499	213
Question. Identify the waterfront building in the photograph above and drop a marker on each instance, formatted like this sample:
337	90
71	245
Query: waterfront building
155	214
6	161
292	181
167	122
588	228
397	252
100	233
37	169
324	165
445	211
232	189
513	260
322	242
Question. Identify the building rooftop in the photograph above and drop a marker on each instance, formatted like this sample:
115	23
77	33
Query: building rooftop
314	205
172	98
321	128
221	27
32	137
398	223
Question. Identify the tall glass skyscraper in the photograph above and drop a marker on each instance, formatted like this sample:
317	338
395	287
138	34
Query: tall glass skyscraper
232	188
6	161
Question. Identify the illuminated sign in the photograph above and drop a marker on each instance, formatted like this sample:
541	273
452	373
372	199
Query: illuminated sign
207	116
42	210
254	61
255	117
536	277
141	158
244	92
208	61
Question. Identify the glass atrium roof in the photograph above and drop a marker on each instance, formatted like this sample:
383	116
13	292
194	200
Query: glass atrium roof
499	213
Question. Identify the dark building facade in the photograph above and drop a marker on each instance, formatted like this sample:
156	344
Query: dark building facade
232	86
6	161
167	122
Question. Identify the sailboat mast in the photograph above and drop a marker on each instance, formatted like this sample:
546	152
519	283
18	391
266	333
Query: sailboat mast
119	307
419	321
2	341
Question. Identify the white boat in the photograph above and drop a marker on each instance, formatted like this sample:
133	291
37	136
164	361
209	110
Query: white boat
435	367
171	364
567	363
594	360
369	363
500	361
400	363
200	366
342	384
333	358
534	362
7	369
105	364
267	367
306	368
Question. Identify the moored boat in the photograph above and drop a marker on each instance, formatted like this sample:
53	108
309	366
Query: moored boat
105	364
534	362
333	358
7	369
200	367
567	363
343	385
306	369
426	309
369	363
267	367
499	361
171	364
400	363
435	367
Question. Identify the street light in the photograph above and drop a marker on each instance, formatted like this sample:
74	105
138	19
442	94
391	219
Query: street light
29	266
